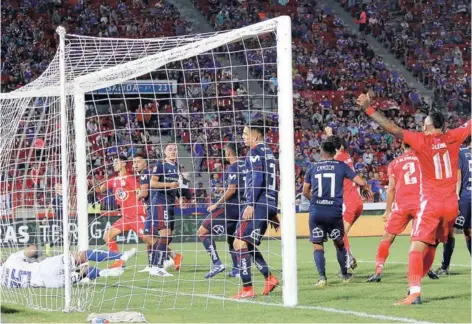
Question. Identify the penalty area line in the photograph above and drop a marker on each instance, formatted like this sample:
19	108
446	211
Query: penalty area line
305	307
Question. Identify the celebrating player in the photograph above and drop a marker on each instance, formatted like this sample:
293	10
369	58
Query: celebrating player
260	209
463	219
323	186
23	269
353	205
224	218
438	155
124	187
164	184
145	195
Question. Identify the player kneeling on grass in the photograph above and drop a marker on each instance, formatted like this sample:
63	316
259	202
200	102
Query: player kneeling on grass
24	269
224	219
323	186
260	209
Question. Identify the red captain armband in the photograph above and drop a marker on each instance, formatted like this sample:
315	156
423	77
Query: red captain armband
369	111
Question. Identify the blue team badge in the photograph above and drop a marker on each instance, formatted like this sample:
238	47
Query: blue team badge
317	232
335	234
256	234
122	194
218	229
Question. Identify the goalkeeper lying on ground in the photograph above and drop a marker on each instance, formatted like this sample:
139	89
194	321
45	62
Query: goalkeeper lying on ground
24	269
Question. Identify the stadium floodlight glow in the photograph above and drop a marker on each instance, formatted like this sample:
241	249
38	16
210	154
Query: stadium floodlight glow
101	97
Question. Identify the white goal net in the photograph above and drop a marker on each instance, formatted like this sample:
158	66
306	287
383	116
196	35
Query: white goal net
129	144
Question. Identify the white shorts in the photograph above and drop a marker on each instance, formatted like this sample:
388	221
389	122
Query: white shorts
52	271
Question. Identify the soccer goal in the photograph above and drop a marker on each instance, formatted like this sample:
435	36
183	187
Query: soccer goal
69	142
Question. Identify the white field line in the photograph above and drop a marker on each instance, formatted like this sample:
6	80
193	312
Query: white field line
315	308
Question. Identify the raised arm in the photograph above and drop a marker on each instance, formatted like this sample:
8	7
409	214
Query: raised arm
364	101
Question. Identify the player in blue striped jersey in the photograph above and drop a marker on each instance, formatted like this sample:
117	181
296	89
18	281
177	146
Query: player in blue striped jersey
224	214
323	186
260	209
463	220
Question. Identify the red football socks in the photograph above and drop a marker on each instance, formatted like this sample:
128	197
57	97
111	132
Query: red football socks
346	243
382	255
415	268
428	258
112	246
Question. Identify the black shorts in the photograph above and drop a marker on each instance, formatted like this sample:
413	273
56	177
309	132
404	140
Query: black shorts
223	220
463	219
324	223
252	231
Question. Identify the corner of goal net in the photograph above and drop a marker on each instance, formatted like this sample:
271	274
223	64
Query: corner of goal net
120	317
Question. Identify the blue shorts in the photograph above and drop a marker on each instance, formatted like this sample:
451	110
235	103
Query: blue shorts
325	222
252	231
463	219
223	220
159	217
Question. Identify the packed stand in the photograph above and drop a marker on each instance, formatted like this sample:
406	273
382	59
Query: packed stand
332	66
432	38
29	41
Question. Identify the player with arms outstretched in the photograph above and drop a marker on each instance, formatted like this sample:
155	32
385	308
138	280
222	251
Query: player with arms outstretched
140	166
164	184
124	187
324	182
463	219
353	204
24	269
224	214
438	154
260	209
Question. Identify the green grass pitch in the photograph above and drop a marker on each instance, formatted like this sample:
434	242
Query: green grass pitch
189	298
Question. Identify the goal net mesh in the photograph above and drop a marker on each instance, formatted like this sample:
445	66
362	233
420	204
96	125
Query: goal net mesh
196	91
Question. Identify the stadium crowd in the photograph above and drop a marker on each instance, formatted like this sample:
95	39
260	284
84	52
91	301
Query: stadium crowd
332	65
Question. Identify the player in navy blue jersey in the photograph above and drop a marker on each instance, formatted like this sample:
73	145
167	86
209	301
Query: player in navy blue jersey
463	221
163	186
259	210
146	196
324	185
224	214
55	223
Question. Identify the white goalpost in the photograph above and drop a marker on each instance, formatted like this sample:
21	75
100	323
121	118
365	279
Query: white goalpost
105	98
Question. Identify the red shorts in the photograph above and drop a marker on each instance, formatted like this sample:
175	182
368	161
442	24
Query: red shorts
352	211
434	220
129	224
399	218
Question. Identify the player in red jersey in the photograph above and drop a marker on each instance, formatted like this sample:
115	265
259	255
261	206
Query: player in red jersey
403	198
124	188
352	200
438	155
